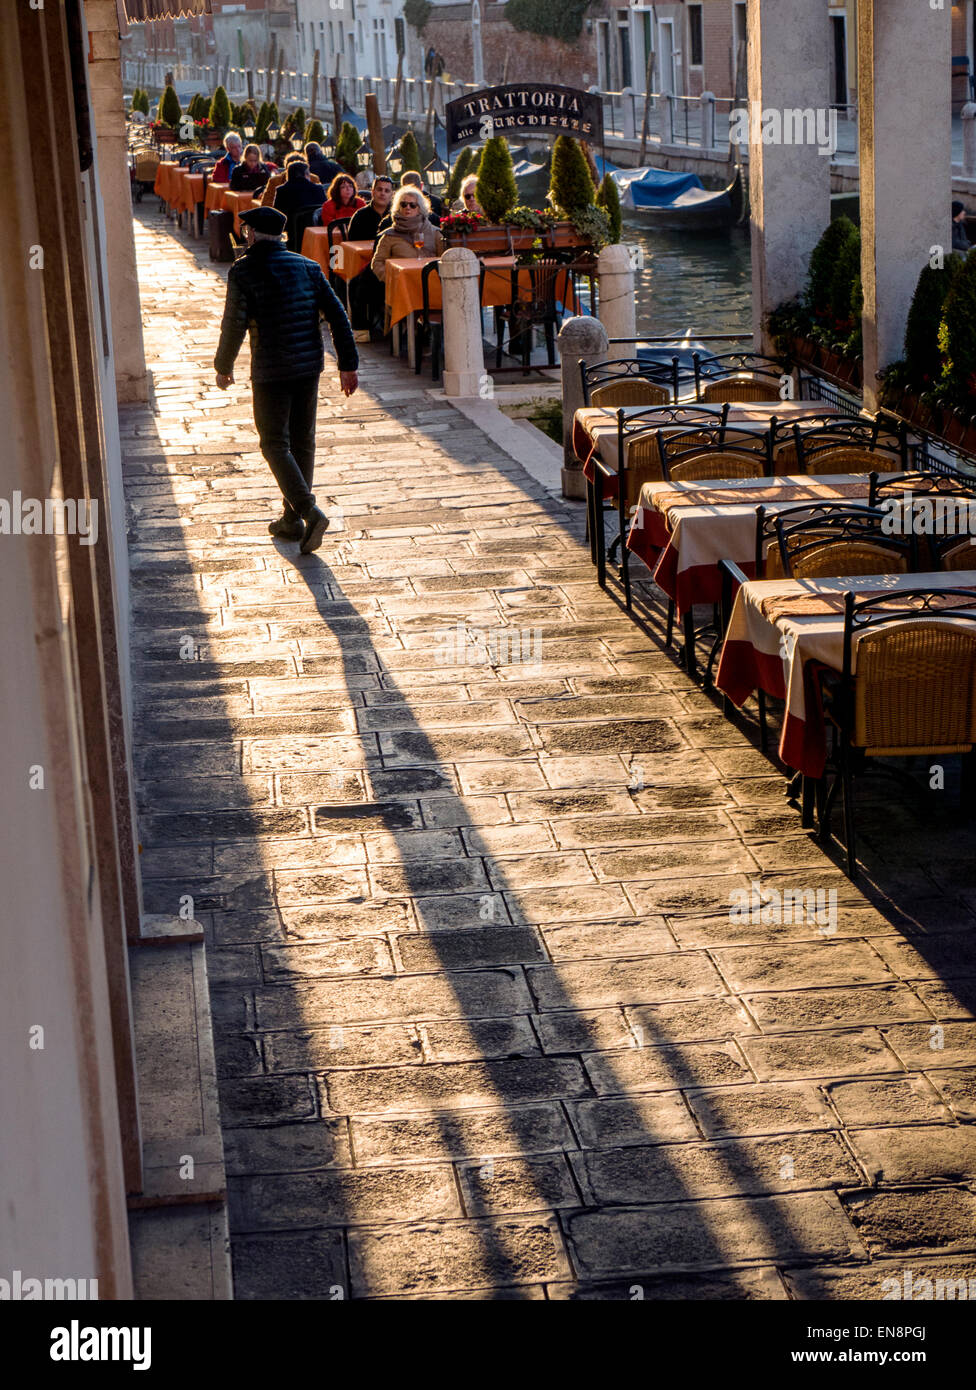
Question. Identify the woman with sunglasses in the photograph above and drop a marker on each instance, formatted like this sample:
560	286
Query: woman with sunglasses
468	201
412	235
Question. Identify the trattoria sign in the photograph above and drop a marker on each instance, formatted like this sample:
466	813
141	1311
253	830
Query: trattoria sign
524	108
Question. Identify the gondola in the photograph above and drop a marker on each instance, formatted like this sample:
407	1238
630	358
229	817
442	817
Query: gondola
662	200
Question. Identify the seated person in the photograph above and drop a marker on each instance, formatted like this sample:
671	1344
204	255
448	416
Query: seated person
276	180
223	169
412	234
411	177
343	201
366	293
365	224
252	174
297	192
468	201
324	169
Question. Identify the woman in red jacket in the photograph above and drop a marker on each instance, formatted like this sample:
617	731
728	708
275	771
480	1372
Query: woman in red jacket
343	200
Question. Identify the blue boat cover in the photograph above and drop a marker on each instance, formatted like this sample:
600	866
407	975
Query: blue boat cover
658	188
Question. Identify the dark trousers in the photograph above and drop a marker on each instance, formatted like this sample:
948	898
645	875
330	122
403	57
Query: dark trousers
284	413
367	298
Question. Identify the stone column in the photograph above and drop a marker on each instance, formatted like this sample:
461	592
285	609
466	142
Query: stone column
968	114
585	338
618	309
464	354
789	183
105	79
906	165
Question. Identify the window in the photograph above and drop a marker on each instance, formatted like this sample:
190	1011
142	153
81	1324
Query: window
696	45
626	66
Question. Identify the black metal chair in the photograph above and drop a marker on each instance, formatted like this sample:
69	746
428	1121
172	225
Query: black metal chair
914	691
691	456
298	224
629	381
839	541
638	461
429	325
523	313
739	376
851	446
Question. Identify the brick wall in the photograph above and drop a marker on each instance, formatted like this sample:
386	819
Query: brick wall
529	57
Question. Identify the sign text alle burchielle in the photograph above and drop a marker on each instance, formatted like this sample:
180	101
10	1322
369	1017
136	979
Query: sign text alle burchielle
524	107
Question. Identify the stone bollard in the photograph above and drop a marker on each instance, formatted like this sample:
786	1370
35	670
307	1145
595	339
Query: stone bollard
585	338
618	310
968	115
464	354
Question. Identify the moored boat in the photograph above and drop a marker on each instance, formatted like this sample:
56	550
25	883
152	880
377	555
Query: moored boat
665	200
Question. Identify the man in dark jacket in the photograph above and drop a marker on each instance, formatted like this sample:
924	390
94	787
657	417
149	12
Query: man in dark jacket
296	193
278	297
324	169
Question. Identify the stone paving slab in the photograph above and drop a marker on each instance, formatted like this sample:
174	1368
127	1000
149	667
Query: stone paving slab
486	1024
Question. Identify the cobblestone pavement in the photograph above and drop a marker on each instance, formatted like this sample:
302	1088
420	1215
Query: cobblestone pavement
486	1027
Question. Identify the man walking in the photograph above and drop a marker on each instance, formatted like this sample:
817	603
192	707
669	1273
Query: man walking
279	296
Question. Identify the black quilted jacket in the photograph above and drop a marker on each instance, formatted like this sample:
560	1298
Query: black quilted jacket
279	296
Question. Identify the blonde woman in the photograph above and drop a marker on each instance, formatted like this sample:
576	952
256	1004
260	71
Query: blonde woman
412	236
468	201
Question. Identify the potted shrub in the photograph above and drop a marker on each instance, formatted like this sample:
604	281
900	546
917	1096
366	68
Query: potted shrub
346	146
314	131
497	191
573	195
462	168
608	198
410	153
219	115
168	115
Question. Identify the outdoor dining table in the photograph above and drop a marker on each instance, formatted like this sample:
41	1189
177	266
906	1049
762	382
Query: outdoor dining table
237	203
595	428
215	196
404	292
163	183
782	631
682	530
351	256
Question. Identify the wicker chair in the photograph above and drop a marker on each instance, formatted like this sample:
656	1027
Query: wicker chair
960	557
740	388
914	691
629	381
846	459
716	463
630	391
829	543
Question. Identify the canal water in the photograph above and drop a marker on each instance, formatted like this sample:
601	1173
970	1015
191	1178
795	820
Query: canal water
693	281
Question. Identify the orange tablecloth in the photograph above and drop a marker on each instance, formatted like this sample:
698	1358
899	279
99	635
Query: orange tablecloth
237	203
163	182
174	187
354	256
404	294
190	192
215	196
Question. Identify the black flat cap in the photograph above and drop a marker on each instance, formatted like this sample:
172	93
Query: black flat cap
268	220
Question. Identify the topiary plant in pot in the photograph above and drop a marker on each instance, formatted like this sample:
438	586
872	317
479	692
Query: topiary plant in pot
497	190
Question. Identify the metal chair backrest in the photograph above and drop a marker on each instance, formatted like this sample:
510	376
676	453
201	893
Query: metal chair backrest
678	447
746	376
842	541
607	378
543	277
431	268
861	434
768	557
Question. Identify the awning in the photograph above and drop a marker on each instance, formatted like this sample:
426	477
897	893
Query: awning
137	11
